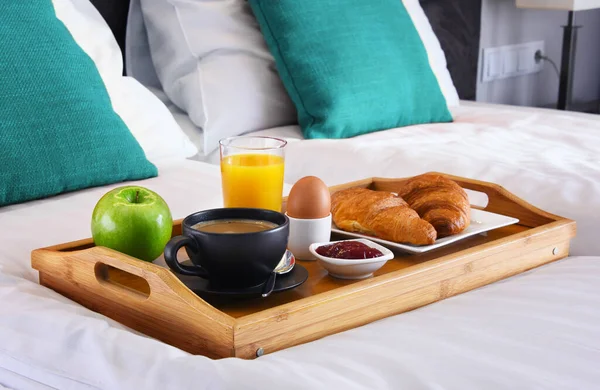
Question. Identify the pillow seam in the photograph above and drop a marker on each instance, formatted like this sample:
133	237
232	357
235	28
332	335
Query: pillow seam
197	57
267	24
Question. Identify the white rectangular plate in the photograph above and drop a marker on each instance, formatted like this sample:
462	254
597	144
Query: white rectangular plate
481	222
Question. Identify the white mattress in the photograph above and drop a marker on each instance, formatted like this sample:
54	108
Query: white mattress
537	330
550	158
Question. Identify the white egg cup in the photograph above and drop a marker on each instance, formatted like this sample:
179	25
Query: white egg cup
304	232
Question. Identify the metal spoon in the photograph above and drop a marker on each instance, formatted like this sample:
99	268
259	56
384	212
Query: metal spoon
285	265
269	285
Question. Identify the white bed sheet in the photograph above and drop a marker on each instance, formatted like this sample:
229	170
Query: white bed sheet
549	158
536	330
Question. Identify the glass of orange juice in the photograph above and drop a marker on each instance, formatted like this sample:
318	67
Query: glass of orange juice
252	172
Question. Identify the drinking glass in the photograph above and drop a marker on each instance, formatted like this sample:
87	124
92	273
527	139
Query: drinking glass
252	171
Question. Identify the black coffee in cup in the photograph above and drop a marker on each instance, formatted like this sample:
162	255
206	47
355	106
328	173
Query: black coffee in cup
232	247
234	226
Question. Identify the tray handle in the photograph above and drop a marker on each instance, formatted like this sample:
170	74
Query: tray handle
500	201
108	273
111	276
162	303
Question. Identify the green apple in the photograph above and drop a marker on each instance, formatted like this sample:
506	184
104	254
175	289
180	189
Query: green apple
132	220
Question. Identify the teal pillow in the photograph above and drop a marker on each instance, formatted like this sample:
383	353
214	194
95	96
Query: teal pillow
351	66
58	131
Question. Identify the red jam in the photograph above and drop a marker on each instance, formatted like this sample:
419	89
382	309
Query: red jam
348	250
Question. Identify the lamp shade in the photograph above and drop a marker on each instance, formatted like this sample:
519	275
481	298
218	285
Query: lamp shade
567	5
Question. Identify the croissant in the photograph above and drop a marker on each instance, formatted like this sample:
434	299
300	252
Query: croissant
380	214
439	201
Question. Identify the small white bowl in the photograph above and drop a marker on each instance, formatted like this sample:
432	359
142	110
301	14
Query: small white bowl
352	268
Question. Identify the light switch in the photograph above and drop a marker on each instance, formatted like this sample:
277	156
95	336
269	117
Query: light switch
511	62
494	67
526	60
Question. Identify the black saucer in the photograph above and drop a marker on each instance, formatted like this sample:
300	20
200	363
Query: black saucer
200	286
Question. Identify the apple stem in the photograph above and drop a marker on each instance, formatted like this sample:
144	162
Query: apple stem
137	196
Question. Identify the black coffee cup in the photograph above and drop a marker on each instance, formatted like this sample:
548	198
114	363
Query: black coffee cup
235	260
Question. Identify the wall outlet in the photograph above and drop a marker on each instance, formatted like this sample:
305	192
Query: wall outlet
510	61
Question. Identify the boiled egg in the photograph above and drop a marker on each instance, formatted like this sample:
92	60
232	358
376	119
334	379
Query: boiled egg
309	199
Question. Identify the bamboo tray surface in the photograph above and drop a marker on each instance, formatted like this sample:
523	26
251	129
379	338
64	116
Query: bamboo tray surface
152	300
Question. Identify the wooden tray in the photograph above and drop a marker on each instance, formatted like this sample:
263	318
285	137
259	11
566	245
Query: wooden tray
152	300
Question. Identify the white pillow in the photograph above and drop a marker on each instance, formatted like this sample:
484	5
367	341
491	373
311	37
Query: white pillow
145	115
213	63
437	58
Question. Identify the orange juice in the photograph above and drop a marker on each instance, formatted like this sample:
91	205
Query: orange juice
252	180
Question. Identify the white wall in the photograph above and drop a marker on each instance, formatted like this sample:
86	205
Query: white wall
503	24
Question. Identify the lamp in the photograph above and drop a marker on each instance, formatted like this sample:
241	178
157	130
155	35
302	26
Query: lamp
569	40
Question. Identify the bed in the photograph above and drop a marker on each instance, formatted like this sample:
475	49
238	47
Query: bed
535	330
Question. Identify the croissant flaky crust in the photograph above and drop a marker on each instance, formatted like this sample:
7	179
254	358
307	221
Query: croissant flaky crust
439	201
380	214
